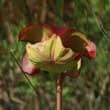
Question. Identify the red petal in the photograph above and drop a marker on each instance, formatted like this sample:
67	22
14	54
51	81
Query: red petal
34	33
28	67
91	50
61	31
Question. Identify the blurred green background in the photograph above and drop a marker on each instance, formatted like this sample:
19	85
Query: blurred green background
91	91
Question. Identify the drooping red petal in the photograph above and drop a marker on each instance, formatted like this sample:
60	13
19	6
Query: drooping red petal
73	39
35	33
61	31
28	67
91	50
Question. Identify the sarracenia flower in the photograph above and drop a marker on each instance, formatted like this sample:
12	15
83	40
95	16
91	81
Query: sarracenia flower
54	49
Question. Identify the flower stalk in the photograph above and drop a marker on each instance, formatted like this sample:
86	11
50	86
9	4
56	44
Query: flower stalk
59	92
59	13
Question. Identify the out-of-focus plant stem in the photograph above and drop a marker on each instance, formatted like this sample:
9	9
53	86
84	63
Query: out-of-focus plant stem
59	12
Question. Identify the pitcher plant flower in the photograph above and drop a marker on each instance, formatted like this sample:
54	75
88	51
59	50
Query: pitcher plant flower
54	49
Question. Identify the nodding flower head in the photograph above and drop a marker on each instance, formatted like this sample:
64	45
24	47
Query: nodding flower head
54	49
